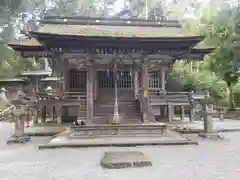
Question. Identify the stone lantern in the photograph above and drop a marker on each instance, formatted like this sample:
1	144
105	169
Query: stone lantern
19	113
203	98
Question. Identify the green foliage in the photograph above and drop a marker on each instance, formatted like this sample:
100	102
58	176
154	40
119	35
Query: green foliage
203	79
15	13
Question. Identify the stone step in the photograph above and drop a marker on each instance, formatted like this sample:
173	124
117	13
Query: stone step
113	102
123	118
121	111
111	115
89	134
122	127
106	114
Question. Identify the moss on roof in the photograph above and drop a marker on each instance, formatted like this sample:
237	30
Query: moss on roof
31	43
112	31
203	45
6	80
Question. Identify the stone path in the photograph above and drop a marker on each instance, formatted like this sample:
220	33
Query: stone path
215	160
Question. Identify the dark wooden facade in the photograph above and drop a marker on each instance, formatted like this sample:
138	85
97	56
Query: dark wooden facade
88	65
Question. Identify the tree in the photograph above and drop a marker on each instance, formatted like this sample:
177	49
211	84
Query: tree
223	32
15	15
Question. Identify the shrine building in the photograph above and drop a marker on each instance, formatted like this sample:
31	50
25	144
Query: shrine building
109	66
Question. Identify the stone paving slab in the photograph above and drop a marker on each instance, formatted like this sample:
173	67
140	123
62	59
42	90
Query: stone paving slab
119	141
124	159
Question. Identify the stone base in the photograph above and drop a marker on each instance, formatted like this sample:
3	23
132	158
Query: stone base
115	119
18	140
119	160
212	136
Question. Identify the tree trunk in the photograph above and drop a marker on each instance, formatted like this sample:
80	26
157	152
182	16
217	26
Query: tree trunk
231	103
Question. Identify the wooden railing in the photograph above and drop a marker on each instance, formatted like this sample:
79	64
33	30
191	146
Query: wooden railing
75	95
156	96
48	96
61	96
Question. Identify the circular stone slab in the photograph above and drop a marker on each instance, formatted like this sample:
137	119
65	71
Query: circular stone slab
118	160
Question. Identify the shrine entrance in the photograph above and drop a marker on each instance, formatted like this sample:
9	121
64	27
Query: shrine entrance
106	84
77	81
106	79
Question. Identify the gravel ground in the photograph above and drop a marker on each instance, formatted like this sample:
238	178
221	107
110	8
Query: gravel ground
212	160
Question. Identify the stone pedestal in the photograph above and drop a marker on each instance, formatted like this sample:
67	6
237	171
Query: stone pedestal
18	137
116	119
207	119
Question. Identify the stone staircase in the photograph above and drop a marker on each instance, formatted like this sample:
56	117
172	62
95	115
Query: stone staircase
129	110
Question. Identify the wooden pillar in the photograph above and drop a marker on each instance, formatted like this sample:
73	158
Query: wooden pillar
50	111
58	109
135	83
89	93
145	86
191	114
95	84
163	79
182	113
163	112
65	74
170	112
54	68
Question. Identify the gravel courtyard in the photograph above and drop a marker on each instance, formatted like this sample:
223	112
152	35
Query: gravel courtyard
211	160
